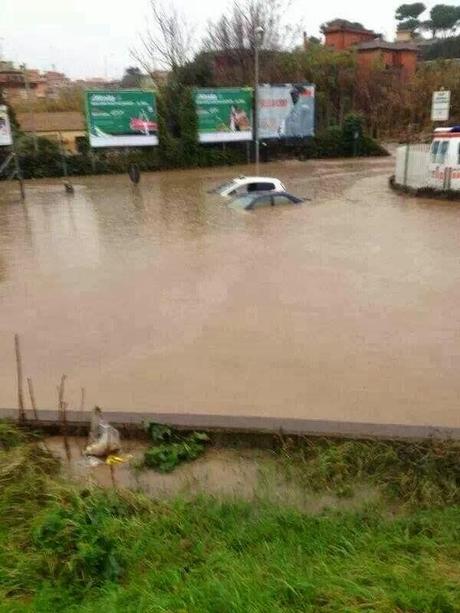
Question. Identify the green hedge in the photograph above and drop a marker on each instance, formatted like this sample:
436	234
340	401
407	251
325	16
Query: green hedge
179	148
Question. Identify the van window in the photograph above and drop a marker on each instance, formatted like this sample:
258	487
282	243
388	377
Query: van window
434	150
442	152
458	154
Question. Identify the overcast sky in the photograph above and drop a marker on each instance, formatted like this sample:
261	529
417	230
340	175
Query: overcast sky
88	38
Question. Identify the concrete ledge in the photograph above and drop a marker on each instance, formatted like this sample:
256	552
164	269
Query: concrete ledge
133	422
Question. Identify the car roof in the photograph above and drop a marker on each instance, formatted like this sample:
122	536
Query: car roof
255	194
243	179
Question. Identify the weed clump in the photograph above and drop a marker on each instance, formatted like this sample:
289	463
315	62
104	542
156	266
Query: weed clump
171	448
10	436
417	473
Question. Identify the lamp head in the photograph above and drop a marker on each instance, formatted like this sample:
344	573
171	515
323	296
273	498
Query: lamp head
259	32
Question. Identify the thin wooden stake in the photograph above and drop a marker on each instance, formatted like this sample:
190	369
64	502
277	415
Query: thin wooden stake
32	397
62	408
112	476
21	411
82	401
80	441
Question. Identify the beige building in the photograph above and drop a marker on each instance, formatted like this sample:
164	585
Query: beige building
65	127
19	84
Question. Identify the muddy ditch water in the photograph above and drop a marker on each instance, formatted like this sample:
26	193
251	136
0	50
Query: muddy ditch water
225	473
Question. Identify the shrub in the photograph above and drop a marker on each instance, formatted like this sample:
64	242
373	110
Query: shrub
352	134
179	147
171	447
74	540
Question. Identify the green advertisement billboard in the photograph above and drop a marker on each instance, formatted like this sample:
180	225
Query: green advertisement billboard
121	118
224	114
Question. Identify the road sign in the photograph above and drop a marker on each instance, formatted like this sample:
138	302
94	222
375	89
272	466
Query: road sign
440	108
121	118
6	138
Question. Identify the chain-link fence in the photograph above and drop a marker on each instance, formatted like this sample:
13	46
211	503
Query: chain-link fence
413	166
434	168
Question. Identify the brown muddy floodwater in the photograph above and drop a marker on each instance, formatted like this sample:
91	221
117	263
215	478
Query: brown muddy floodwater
162	298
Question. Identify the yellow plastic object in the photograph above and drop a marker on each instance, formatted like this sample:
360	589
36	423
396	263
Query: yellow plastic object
115	459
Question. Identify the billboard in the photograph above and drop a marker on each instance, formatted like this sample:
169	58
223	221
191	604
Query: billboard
121	118
6	138
286	111
224	114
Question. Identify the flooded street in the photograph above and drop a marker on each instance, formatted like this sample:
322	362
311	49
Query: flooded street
162	298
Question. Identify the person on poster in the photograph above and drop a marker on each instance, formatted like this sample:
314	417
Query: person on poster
299	121
239	121
3	126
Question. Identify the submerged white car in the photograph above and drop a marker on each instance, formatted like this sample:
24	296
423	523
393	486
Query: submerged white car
244	185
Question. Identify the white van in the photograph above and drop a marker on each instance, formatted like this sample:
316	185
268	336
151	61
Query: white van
444	164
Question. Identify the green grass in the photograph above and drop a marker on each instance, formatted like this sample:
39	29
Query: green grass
64	549
416	474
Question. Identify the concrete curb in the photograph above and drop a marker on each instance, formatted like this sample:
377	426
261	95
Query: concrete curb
134	421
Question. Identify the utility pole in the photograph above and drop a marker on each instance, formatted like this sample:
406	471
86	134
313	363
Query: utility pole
258	38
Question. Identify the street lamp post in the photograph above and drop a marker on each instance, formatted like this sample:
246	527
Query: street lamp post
29	105
259	34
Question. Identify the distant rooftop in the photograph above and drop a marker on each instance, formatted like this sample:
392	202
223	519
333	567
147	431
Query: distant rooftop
382	44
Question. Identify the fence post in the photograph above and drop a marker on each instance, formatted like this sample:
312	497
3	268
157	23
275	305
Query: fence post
447	178
406	165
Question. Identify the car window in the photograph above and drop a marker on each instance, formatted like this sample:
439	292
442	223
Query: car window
442	152
261	187
283	199
458	154
434	150
242	202
262	201
266	187
238	191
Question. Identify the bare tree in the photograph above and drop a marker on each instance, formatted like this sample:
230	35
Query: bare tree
232	39
236	28
167	42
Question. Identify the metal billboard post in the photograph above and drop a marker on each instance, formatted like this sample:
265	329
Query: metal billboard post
31	111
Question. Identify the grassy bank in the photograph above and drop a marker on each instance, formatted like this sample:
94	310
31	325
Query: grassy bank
69	549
